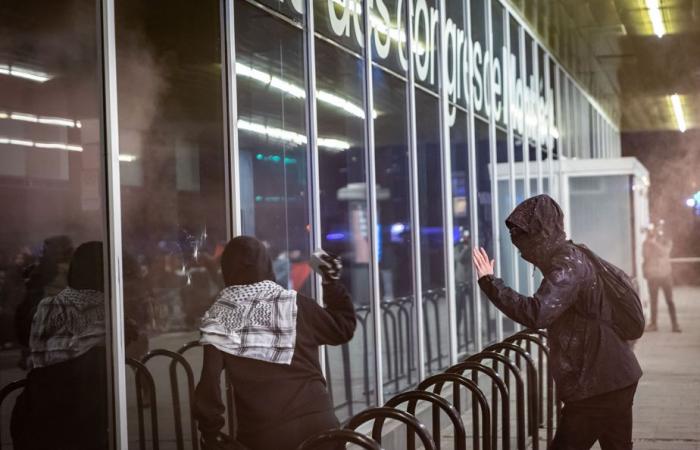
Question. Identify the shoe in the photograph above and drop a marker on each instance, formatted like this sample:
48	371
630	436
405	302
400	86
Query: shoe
651	327
676	329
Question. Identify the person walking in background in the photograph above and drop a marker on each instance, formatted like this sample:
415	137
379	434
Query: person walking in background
267	340
595	370
657	270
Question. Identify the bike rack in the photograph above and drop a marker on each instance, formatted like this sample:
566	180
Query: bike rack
439	403
511	368
175	391
498	387
340	436
141	373
534	399
7	390
413	426
437	382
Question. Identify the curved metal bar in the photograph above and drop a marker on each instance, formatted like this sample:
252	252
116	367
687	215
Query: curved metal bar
175	391
141	372
439	403
413	426
543	350
500	385
519	391
532	391
438	381
339	436
188	346
7	390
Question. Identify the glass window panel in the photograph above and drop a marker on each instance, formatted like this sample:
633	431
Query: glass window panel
436	321
484	203
481	56
388	18
507	254
340	21
531	117
394	231
555	125
345	222
272	141
457	55
294	9
173	192
52	243
462	232
425	32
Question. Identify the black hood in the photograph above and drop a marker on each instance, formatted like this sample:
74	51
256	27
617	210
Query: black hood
537	228
245	261
86	267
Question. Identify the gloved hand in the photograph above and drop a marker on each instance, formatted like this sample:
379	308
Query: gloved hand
331	271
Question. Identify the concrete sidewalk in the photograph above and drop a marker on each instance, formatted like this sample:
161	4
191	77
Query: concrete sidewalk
667	405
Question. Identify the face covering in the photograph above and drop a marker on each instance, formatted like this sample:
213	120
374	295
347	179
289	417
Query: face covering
536	229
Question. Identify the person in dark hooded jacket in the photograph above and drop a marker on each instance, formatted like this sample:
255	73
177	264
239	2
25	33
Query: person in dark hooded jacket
595	371
267	340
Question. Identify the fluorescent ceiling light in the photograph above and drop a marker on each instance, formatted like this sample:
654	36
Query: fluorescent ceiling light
678	110
297	91
45	145
125	157
290	136
657	19
27	74
46	120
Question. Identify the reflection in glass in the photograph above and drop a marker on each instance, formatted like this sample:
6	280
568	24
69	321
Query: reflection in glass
436	327
272	141
52	306
461	229
173	190
507	253
350	369
484	204
479	55
394	233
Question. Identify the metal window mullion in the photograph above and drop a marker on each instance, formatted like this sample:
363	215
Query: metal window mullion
495	229
311	112
526	138
113	225
549	99
233	194
415	200
471	163
558	125
538	117
372	203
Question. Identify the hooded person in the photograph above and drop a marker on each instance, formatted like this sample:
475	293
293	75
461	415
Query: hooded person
64	403
267	340
595	371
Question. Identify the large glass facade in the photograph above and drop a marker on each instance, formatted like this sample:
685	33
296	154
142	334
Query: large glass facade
220	133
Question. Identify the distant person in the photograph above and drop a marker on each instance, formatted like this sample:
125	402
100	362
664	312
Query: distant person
267	340
595	371
64	404
657	270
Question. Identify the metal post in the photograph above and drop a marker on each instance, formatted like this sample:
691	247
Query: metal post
372	202
539	118
415	200
110	136
233	196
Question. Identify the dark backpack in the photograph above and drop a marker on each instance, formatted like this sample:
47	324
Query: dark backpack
627	312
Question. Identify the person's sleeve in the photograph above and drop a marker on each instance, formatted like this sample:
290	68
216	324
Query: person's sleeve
557	293
335	323
208	406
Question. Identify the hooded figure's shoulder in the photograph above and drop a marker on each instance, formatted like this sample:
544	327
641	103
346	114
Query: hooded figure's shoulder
573	260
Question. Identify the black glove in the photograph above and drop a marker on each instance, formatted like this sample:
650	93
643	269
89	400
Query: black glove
331	271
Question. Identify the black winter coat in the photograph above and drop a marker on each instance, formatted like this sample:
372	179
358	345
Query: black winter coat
587	357
278	406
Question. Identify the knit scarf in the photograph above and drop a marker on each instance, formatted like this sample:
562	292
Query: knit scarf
66	326
255	321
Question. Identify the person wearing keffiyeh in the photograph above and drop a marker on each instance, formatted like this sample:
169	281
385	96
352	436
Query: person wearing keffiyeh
267	340
64	403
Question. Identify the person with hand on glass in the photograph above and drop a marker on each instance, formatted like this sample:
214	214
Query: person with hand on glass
595	370
267	340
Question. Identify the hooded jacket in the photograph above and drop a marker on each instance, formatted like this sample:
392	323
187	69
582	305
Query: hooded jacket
587	357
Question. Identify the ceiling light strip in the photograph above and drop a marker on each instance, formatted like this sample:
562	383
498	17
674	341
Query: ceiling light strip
678	111
46	120
290	136
657	19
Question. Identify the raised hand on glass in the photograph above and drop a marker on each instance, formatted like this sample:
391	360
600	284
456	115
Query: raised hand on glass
482	263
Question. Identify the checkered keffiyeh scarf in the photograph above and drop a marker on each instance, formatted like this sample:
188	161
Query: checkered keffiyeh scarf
66	326
257	321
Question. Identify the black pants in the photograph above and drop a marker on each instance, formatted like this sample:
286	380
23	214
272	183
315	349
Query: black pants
665	284
289	435
606	418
